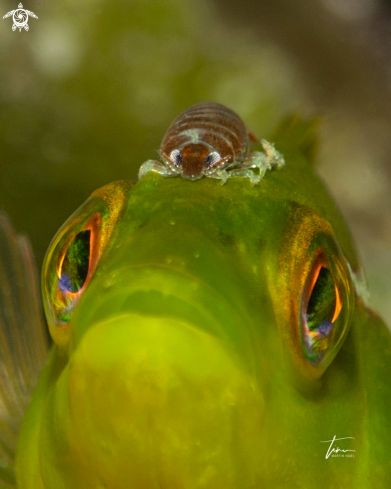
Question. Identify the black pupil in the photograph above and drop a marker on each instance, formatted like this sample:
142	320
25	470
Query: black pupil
76	262
322	303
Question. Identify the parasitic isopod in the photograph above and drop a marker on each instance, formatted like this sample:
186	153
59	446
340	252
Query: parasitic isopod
211	140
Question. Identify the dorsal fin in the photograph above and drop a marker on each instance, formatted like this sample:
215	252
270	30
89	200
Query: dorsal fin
23	340
299	133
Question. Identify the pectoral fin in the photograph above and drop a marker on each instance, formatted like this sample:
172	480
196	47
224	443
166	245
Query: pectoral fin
23	340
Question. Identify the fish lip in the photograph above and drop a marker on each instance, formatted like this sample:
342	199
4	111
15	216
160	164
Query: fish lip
176	293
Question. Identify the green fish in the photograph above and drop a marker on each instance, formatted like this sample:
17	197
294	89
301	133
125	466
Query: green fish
204	336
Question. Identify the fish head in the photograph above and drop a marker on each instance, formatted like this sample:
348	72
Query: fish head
200	334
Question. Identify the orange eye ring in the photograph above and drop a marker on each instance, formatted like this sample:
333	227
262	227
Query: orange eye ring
66	278
319	264
65	299
315	300
321	305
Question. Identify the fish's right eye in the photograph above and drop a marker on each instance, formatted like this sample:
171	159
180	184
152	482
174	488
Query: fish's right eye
75	264
74	254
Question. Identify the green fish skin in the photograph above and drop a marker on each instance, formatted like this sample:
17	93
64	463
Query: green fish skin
210	336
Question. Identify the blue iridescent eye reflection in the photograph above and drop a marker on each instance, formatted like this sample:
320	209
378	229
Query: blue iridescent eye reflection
74	268
322	310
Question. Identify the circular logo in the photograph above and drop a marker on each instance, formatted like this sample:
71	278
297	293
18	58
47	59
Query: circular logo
20	18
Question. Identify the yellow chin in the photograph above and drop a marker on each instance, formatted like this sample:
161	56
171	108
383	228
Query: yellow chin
157	403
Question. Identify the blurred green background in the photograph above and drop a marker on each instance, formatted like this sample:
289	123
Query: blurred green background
88	92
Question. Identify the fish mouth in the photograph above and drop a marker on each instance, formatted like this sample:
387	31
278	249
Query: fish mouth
161	291
159	394
157	402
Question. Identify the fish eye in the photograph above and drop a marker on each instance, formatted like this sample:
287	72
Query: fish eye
176	157
325	303
75	253
75	265
76	261
321	307
212	159
315	296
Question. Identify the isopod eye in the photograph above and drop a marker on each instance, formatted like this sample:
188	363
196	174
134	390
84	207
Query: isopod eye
74	268
212	159
176	157
321	308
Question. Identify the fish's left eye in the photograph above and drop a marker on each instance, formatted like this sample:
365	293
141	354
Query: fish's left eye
212	159
316	295
321	307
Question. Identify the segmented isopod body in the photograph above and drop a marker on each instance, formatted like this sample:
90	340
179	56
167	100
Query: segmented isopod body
205	136
210	140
